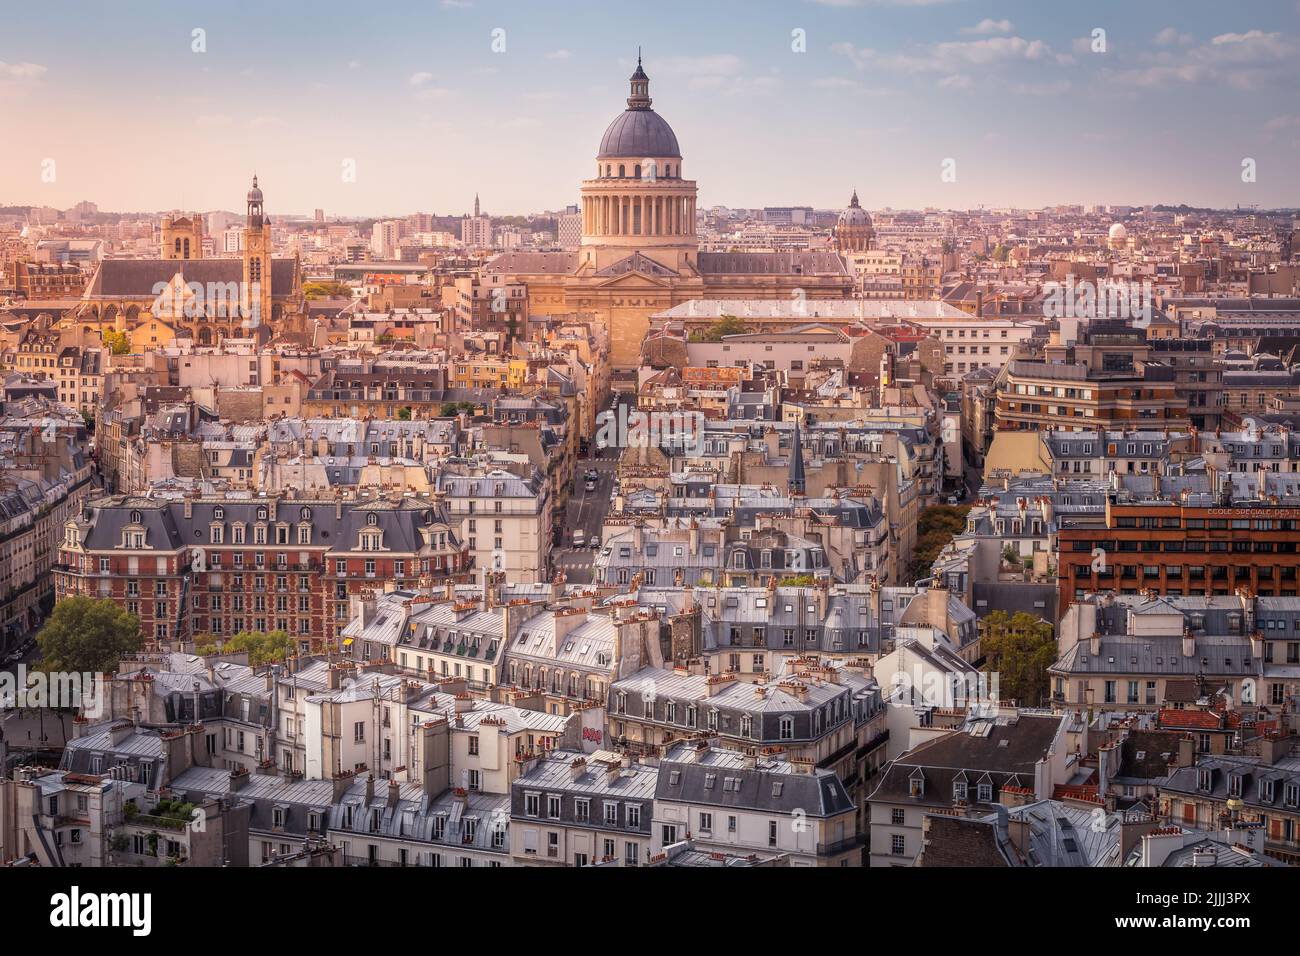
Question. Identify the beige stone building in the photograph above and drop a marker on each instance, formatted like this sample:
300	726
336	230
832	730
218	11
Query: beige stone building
640	253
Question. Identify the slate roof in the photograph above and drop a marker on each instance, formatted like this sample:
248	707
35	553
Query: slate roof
719	778
137	278
963	842
639	134
1005	753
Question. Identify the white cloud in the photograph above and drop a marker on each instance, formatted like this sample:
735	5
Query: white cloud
957	81
21	71
558	55
1172	36
419	79
953	56
988	27
354	64
1042	89
1243	61
716	64
456	4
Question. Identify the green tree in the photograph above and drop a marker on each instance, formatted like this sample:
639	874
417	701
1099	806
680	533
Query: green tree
934	529
404	414
87	634
119	343
325	290
726	325
1019	648
263	647
799	581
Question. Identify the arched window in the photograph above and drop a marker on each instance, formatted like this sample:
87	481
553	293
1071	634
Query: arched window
135	517
219	513
372	519
305	514
622	171
636	171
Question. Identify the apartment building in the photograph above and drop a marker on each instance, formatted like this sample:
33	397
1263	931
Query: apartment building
1013	758
1189	535
571	808
768	806
504	519
194	565
1137	652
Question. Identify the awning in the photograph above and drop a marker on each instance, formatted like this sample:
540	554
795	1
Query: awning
347	641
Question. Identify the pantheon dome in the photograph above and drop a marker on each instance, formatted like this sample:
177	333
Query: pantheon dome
639	132
638	211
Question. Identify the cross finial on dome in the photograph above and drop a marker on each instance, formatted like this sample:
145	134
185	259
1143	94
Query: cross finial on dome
854	201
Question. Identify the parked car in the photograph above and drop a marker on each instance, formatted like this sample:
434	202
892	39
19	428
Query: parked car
595	542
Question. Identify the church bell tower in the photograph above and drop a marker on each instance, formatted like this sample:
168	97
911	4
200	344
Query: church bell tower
256	298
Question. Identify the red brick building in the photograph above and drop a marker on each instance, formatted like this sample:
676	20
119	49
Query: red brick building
196	565
1172	547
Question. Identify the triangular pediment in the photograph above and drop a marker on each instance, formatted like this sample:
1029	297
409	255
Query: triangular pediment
637	264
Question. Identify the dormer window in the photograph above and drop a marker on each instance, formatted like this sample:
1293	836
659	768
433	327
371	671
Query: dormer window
305	514
218	514
1204	779
959	792
372	519
135	517
261	514
916	784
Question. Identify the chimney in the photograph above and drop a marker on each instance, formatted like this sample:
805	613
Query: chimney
394	793
613	770
1094	644
577	768
695	537
370	788
1189	643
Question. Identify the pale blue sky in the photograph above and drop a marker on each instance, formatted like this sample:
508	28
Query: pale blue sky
413	92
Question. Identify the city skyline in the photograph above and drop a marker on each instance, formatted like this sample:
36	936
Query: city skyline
883	94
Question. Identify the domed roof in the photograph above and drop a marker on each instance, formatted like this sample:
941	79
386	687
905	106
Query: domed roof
255	194
638	134
854	215
1117	231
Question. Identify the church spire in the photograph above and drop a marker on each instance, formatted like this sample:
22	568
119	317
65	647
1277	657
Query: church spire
640	98
476	205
